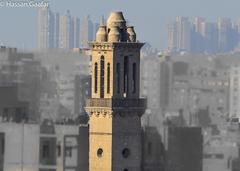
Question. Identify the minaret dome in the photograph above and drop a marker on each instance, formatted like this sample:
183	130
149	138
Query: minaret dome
114	35
116	19
101	34
131	34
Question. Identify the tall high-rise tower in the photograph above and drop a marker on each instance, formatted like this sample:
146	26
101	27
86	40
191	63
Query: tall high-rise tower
43	28
115	108
86	31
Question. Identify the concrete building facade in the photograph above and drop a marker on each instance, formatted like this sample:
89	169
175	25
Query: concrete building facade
43	147
11	108
184	148
22	70
234	89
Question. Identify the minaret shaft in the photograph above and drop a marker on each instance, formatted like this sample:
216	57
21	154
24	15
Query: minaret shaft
115	108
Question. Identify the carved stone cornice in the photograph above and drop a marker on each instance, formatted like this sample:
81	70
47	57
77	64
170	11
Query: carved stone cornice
115	107
115	45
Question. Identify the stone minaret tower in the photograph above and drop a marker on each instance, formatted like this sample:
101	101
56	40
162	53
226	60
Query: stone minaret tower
115	108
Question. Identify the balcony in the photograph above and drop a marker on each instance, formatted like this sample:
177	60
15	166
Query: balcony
116	103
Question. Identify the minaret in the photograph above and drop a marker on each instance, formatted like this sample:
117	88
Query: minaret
115	108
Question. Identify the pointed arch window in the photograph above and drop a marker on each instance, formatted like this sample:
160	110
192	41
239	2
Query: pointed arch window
134	78
118	78
95	77
102	77
125	79
108	78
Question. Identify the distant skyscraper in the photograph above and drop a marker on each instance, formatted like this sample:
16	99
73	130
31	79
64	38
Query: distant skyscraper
172	36
198	24
51	29
48	28
43	28
86	31
197	40
237	29
200	36
56	30
76	32
237	25
179	34
183	33
224	28
95	29
210	35
65	31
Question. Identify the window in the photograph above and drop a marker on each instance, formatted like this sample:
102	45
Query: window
229	162
6	113
2	144
100	152
108	78
134	78
219	156
118	77
59	151
149	148
102	78
125	80
125	152
46	169
68	151
95	77
45	151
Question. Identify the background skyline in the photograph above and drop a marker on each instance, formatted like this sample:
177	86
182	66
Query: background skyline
19	25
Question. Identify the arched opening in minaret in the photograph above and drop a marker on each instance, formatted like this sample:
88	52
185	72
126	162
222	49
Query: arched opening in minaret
95	77
108	78
100	152
125	79
126	152
102	77
118	78
134	78
122	34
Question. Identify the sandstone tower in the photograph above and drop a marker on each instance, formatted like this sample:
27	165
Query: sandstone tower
115	108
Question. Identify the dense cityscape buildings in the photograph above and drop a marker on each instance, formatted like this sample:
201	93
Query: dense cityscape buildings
200	36
234	91
22	71
65	107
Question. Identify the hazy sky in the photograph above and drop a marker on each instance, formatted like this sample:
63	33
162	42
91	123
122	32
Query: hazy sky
18	25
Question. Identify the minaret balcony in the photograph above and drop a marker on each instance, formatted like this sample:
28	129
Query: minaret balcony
116	103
